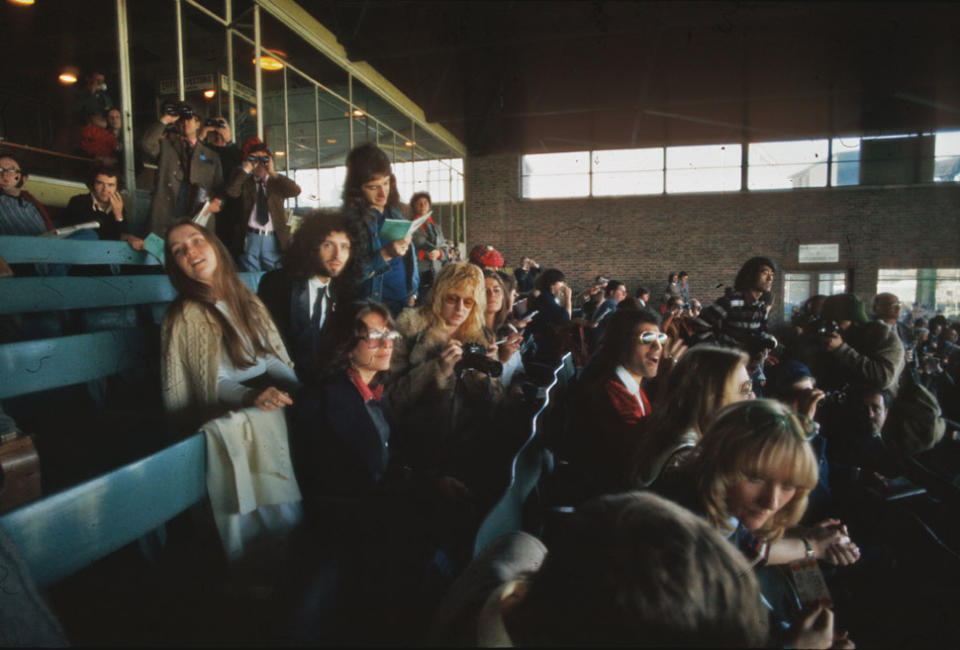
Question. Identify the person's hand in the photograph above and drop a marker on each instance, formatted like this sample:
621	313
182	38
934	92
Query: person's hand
202	134
814	629
807	401
271	399
450	356
434	255
833	341
271	170
246	166
674	349
116	206
396	248
520	324
843	642
135	242
224	132
411	301
508	347
168	119
831	542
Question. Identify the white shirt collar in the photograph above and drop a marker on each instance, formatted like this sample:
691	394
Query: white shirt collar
631	385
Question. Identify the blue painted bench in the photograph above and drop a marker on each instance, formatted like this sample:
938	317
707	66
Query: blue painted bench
65	532
106	371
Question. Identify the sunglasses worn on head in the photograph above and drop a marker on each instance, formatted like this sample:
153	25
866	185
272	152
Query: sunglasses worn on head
760	416
649	337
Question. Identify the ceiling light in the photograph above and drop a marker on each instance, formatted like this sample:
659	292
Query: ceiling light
22	2
279	153
253	110
67	78
409	144
331	141
356	113
209	94
268	62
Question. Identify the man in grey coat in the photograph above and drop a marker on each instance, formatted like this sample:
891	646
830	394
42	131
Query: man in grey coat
186	167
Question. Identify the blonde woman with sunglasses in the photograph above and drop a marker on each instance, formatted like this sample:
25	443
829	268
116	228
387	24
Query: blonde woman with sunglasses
441	407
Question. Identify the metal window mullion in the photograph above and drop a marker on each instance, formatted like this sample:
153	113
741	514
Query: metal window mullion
126	103
199	7
181	86
258	72
231	101
286	124
316	123
350	105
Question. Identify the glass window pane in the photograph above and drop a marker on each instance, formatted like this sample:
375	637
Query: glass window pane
556	163
711	168
556	187
44	108
900	282
626	183
845	157
628	160
796	290
946	162
948	292
786	165
830	284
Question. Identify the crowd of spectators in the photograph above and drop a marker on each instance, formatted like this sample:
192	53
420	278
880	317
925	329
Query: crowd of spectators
401	372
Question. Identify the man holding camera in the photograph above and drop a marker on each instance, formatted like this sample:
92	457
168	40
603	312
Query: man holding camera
228	224
186	167
858	350
262	192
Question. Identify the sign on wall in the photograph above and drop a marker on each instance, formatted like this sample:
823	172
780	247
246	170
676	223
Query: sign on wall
818	253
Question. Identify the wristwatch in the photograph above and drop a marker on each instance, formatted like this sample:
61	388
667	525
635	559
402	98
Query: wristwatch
809	549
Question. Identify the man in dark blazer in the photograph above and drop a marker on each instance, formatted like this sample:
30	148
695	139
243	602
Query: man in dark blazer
262	192
319	268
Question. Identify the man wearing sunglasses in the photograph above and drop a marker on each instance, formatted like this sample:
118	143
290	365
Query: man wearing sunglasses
262	192
186	167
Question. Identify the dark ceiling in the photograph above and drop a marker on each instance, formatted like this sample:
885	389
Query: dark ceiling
552	76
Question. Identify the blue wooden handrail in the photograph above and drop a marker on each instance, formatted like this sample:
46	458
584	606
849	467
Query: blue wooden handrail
46	250
65	532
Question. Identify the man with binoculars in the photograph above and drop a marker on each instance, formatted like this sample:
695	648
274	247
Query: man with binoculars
262	192
186	167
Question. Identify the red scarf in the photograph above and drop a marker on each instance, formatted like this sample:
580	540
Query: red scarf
365	391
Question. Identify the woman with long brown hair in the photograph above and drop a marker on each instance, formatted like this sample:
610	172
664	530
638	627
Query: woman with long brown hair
220	348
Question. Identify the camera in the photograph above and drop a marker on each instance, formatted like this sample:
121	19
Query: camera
215	121
826	327
261	158
181	110
836	397
475	358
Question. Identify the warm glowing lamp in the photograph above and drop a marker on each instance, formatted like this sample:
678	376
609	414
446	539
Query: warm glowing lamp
278	154
25	3
209	94
409	143
268	62
331	141
67	78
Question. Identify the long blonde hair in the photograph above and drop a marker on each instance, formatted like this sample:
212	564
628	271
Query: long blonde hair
748	439
466	278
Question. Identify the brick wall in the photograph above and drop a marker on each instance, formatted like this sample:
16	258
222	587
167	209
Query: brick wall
640	239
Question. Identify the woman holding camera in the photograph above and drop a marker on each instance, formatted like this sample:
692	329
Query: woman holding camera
446	375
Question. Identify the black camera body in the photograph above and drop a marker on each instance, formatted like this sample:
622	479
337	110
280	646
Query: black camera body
826	327
475	358
261	158
215	121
